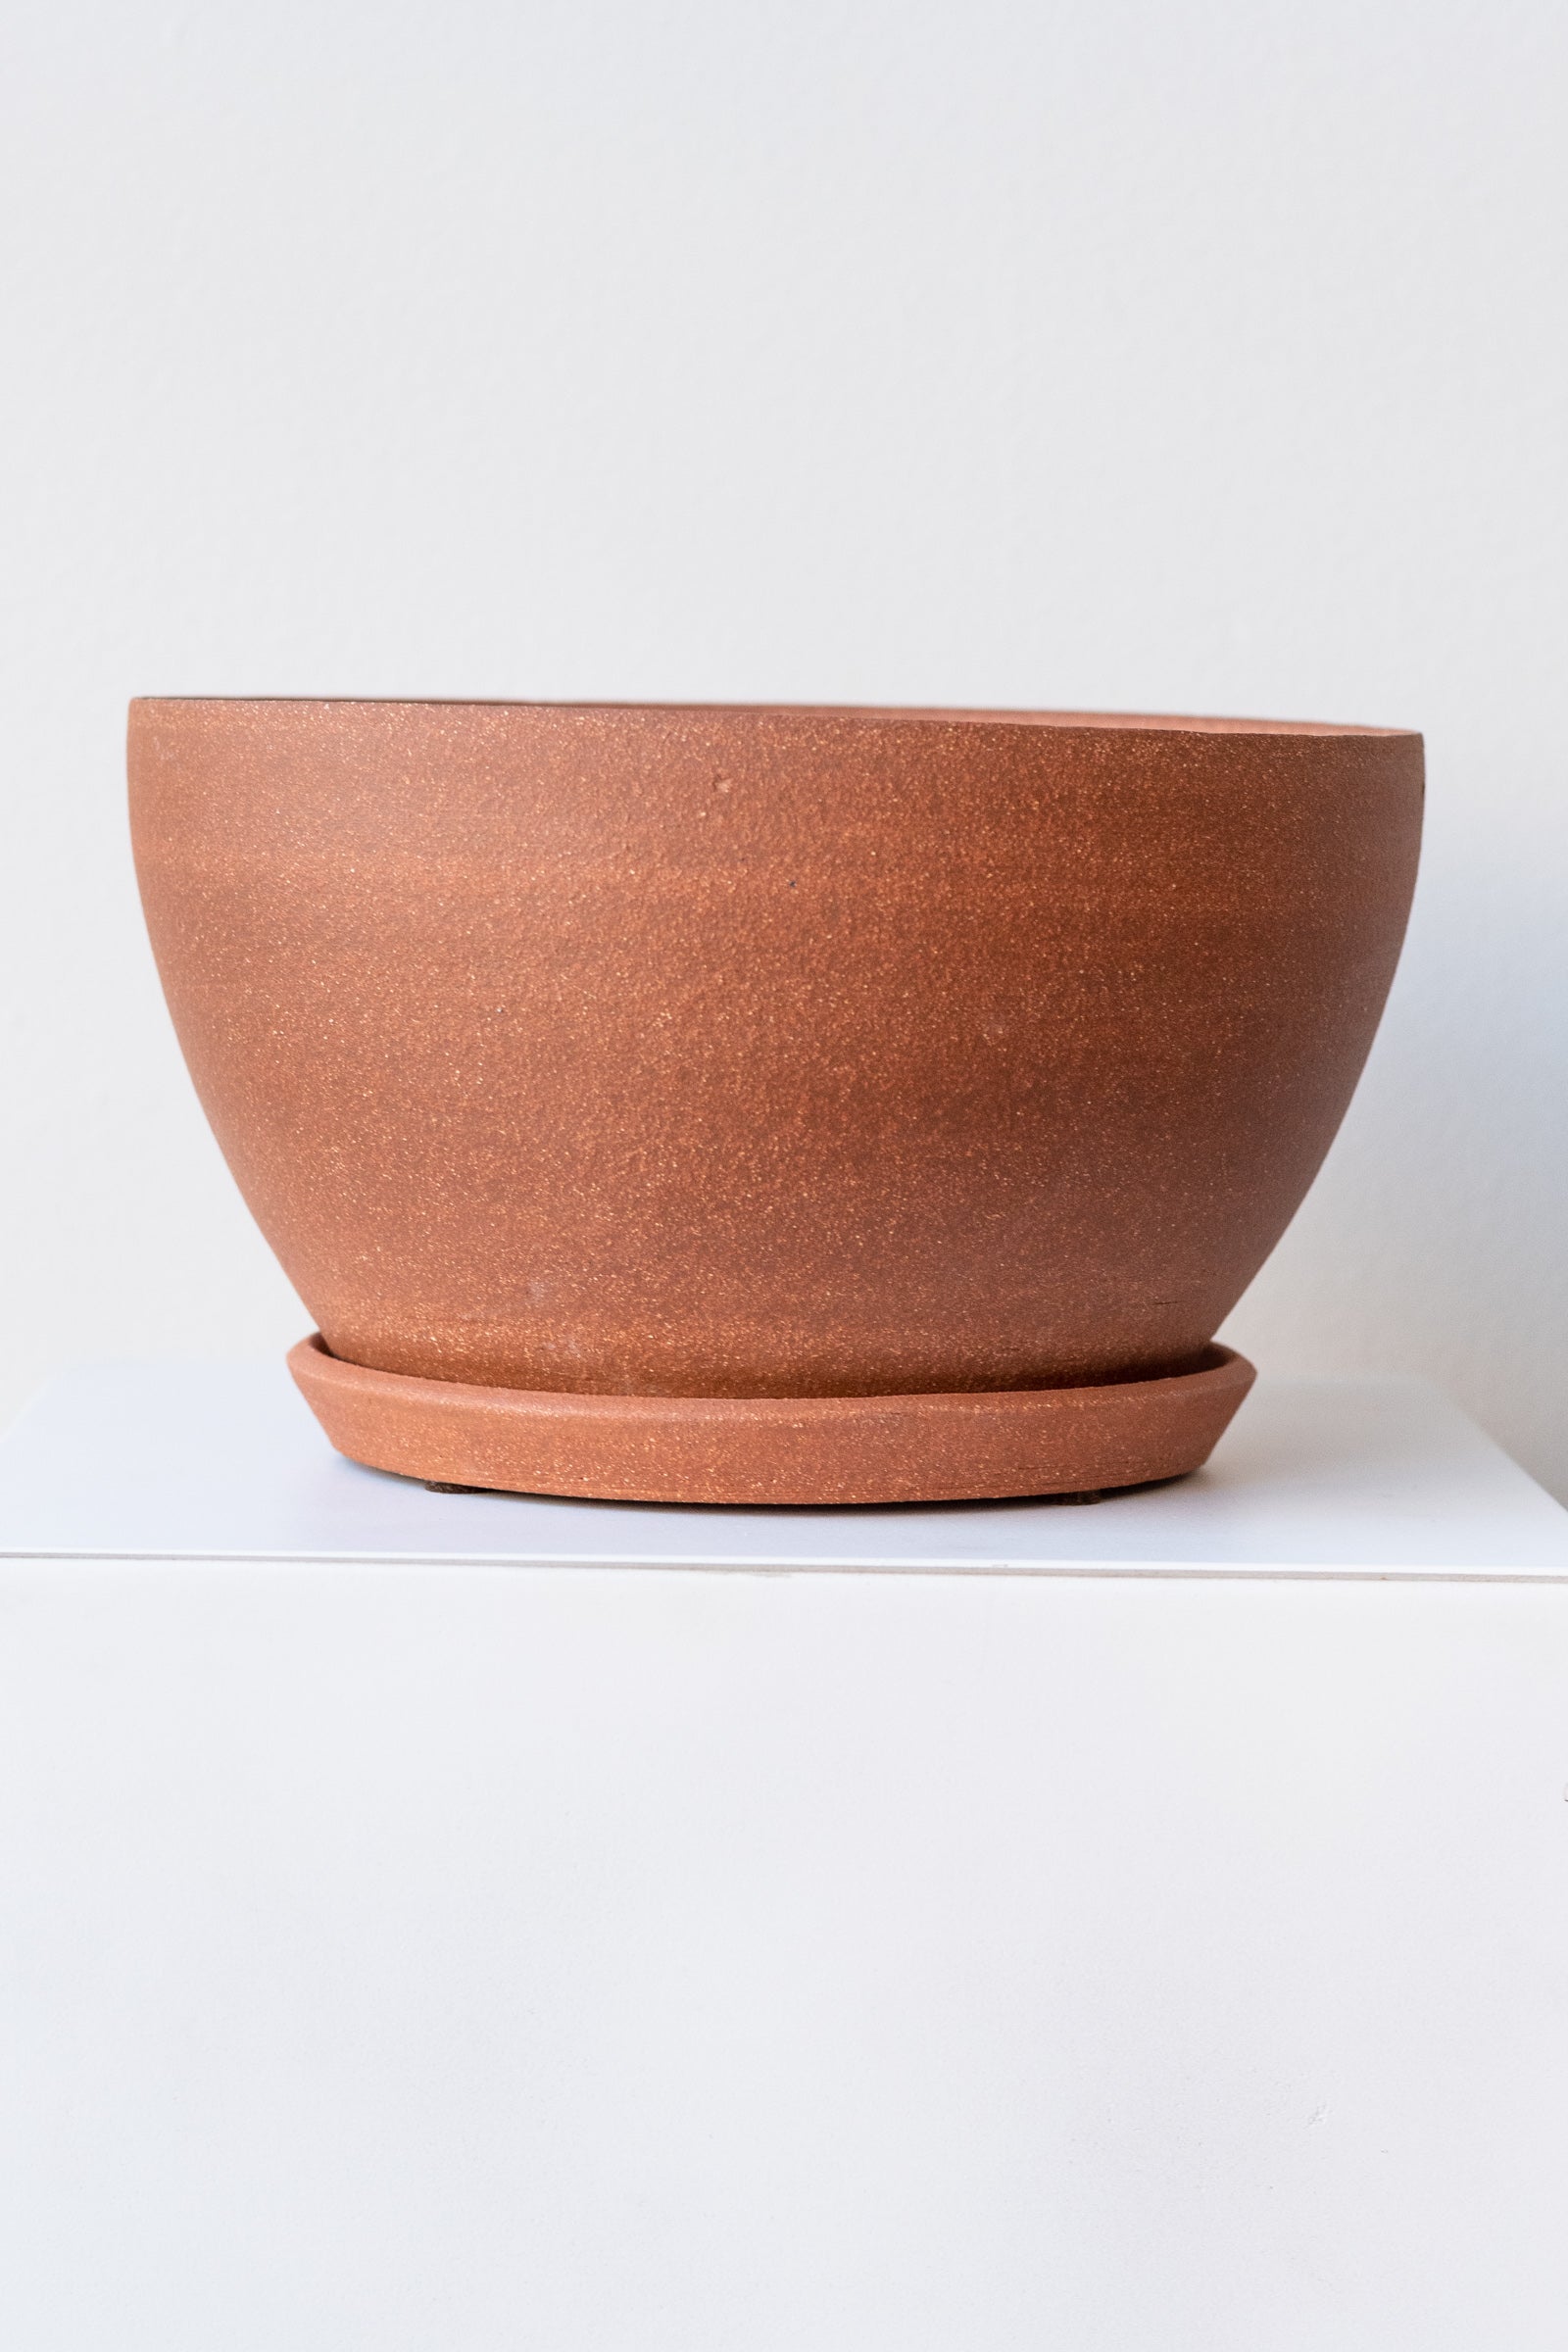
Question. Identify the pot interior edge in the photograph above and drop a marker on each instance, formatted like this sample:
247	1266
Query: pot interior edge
870	713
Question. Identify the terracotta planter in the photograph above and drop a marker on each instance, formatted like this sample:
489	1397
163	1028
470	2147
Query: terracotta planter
746	1105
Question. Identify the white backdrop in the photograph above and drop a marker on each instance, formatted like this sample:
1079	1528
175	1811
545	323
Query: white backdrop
1091	354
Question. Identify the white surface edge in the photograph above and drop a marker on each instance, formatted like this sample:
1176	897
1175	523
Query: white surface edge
1361	1478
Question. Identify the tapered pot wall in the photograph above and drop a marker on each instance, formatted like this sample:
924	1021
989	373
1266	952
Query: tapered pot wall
753	1053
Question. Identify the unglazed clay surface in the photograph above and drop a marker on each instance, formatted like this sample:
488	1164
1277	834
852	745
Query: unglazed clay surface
769	1052
776	1449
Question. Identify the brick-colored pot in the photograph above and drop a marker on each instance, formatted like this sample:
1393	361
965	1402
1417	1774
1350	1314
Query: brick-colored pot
770	1105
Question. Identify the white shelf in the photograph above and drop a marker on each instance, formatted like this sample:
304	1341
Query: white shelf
224	1461
398	1950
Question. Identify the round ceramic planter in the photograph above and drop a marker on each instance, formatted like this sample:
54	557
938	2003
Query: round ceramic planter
770	1105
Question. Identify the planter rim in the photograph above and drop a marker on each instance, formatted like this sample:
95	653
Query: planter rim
1117	722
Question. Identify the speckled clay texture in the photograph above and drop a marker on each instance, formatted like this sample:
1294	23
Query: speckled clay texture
753	1053
776	1449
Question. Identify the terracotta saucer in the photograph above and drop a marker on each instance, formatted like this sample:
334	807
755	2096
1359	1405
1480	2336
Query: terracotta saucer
775	1450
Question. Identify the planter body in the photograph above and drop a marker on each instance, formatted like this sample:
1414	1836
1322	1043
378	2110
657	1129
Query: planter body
770	1054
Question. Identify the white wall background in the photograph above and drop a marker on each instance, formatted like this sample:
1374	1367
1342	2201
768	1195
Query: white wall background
1078	351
